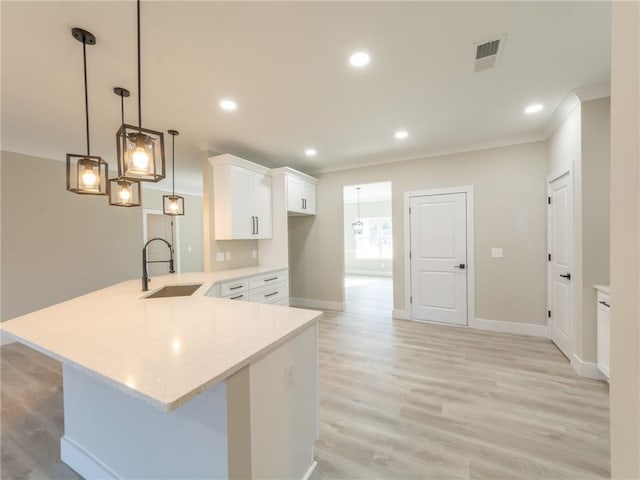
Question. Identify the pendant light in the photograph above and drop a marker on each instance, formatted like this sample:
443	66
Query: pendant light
358	225
140	150
173	204
86	174
123	192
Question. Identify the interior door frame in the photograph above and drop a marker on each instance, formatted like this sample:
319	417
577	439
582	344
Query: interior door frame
176	231
471	288
550	179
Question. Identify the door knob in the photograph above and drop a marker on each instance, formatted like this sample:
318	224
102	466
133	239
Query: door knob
462	266
567	276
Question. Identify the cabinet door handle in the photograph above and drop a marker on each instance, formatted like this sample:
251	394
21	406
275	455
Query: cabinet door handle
271	279
253	225
602	302
271	294
235	288
302	202
257	225
236	297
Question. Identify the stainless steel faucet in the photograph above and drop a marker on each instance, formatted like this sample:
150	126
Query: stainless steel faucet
145	275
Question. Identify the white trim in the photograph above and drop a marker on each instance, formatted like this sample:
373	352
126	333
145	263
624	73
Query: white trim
161	188
593	92
84	463
509	327
316	304
400	314
470	206
310	471
586	369
6	338
570	102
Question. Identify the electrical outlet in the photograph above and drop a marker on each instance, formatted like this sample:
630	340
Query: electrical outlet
219	256
227	255
288	377
496	252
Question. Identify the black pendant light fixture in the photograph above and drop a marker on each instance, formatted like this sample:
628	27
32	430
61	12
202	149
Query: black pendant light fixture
140	150
173	204
86	174
123	192
358	225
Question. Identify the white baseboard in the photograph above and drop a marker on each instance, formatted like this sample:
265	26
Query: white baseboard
6	338
509	327
586	369
401	314
310	471
84	462
316	304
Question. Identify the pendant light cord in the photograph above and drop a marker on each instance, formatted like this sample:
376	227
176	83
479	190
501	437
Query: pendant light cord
173	165
139	74
86	95
122	107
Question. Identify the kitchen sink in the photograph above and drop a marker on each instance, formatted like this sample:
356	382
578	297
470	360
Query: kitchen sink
175	291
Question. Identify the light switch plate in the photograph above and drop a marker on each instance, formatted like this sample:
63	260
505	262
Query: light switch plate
219	256
496	253
227	255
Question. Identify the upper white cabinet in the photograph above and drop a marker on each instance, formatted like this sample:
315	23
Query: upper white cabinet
300	191
241	199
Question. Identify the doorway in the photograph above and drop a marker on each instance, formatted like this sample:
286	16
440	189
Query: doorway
440	256
560	262
368	248
158	225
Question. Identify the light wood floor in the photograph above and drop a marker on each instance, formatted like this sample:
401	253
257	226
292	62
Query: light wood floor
399	400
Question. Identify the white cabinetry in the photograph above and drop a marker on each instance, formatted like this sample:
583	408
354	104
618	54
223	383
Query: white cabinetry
604	307
301	194
241	199
270	287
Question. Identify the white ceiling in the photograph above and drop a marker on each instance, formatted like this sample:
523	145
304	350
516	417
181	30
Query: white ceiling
286	65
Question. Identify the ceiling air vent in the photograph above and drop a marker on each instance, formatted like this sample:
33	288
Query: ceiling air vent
488	53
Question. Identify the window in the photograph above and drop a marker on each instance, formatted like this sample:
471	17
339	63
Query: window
376	241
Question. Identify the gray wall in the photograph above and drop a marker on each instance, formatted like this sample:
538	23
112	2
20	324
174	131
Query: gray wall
364	266
55	244
510	213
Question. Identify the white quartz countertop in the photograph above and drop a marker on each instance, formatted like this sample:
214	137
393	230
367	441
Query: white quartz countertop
162	350
603	288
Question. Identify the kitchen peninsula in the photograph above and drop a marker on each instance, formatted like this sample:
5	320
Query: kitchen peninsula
182	387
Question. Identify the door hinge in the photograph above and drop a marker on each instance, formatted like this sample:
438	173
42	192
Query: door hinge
409	210
549	200
549	257
410	299
549	313
409	255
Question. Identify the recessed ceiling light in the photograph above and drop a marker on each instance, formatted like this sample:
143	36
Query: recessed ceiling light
359	59
401	134
533	108
227	104
310	152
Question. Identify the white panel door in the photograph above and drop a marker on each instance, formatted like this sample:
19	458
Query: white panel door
438	226
560	295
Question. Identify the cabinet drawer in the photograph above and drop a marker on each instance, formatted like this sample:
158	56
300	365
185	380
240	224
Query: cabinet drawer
242	296
234	287
269	293
268	279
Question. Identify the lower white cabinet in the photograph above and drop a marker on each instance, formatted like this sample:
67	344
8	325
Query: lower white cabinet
603	317
272	287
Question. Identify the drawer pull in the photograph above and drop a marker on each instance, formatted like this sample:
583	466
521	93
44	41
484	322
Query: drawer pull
236	297
271	294
271	279
602	302
236	287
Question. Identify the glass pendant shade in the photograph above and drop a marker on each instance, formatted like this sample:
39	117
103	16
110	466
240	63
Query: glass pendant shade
357	227
140	154
172	205
86	174
124	193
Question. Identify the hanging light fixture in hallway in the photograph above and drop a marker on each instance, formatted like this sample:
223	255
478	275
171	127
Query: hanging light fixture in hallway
358	225
86	174
123	192
140	150
173	204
